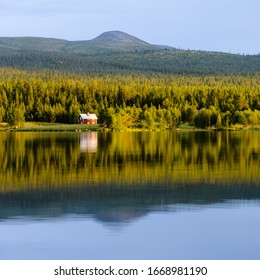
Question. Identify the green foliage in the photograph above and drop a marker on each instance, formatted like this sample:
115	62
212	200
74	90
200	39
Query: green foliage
74	111
15	115
113	119
124	102
203	119
2	113
148	120
219	121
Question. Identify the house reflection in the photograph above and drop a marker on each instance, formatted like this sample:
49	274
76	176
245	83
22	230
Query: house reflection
88	142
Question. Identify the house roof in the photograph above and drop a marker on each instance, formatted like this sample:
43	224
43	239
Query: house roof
88	116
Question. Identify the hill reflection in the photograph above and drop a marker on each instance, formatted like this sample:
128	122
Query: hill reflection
120	205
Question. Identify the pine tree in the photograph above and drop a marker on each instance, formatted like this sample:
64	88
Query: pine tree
15	115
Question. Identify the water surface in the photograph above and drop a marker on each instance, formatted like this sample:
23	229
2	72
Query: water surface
130	195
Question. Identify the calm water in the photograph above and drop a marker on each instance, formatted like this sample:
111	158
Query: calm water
131	195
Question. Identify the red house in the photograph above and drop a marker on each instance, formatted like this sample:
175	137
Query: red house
87	119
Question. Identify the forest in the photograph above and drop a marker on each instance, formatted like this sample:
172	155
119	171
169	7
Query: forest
131	101
149	61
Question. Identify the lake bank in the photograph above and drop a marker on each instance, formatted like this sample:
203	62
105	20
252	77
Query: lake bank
35	126
45	126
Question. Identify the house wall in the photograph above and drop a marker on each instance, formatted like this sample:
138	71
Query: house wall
88	122
92	121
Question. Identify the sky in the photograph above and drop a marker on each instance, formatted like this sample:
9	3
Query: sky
214	25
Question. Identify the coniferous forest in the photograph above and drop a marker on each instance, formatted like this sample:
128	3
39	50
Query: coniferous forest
145	101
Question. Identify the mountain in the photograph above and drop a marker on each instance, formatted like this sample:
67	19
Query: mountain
105	43
119	37
119	52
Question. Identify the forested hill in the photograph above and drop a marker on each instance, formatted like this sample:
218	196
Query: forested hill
118	52
107	42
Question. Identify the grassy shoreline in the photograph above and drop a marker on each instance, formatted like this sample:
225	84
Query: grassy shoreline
45	126
35	126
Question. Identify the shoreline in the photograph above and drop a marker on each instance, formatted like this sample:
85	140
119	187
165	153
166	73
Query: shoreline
58	127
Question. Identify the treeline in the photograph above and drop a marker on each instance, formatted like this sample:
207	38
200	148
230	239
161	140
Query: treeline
122	102
173	62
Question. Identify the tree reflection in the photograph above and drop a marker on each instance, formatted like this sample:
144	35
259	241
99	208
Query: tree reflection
60	160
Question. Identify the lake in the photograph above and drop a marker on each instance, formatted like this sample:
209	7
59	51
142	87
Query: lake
130	195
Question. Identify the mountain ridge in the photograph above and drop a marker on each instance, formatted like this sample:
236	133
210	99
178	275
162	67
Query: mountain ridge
109	41
119	52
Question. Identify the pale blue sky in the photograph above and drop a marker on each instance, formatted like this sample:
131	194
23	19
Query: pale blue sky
217	25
